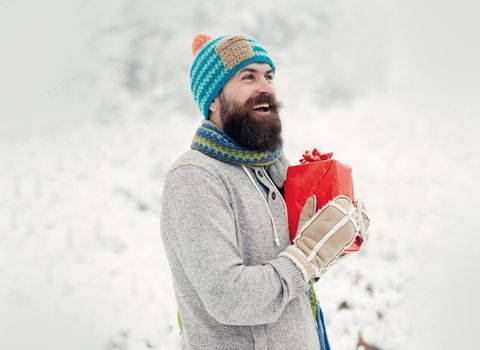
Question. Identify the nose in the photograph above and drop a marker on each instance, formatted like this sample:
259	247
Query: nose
265	86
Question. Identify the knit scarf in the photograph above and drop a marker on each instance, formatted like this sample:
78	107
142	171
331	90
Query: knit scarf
212	141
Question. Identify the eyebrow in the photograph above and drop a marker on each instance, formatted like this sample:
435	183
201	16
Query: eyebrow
251	70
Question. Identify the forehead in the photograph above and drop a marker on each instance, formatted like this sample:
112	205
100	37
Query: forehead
261	68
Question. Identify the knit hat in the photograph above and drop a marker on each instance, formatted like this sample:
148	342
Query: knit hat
217	60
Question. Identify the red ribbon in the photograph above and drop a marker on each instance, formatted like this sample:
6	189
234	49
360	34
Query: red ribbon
314	156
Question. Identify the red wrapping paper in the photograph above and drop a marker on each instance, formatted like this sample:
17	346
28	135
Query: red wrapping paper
325	178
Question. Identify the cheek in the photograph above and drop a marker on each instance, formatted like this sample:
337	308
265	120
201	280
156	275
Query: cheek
246	93
240	99
240	93
273	91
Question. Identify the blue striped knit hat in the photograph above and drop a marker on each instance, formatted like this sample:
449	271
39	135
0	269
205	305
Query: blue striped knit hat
217	60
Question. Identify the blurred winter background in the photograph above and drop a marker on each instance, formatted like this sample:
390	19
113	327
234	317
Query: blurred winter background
95	106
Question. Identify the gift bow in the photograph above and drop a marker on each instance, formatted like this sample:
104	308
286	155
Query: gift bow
315	156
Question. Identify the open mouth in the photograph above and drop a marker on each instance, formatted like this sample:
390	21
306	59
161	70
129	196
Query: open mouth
264	107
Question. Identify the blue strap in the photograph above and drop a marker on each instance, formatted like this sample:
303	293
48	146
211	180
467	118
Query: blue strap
319	320
321	330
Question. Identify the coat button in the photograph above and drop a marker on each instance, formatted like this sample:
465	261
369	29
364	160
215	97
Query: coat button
260	173
274	195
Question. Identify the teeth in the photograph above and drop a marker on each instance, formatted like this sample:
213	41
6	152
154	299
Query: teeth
266	105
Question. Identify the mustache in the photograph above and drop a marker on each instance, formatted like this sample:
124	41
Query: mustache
263	98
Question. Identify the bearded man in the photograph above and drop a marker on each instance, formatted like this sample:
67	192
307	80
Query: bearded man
238	281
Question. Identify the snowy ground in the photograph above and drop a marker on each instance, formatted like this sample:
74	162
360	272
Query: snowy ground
93	118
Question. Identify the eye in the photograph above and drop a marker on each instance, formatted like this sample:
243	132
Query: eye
269	77
247	76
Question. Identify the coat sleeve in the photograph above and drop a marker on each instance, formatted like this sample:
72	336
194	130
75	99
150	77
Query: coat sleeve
278	171
198	221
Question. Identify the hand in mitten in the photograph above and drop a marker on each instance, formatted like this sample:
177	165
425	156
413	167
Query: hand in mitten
323	235
362	224
363	220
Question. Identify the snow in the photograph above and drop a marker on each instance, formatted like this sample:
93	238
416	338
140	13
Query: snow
96	106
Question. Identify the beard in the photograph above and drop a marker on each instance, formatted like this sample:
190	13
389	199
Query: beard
256	133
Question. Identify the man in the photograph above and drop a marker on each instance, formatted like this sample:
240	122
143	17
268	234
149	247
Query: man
238	281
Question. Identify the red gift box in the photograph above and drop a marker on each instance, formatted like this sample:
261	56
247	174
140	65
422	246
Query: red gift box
322	176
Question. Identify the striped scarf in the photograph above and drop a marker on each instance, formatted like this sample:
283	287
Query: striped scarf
212	141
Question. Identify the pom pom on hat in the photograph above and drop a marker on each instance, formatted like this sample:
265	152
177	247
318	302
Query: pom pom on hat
198	41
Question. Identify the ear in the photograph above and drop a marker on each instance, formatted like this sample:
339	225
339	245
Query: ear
214	106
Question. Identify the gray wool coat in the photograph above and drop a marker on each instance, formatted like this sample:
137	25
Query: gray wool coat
223	227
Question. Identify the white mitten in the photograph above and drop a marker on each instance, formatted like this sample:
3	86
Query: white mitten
323	235
363	220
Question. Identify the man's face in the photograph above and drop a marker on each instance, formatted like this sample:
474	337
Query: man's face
249	109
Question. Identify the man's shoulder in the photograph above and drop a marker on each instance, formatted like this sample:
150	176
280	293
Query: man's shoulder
194	168
197	162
